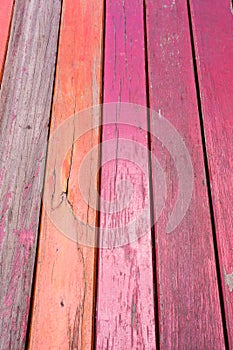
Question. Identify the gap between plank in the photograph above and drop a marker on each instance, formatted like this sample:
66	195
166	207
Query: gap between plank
218	270
153	243
99	183
33	287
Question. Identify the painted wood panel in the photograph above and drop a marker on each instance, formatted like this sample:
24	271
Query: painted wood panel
125	303
25	102
6	8
63	311
189	307
213	28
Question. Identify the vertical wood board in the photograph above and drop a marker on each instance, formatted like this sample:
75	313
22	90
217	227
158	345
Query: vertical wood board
189	307
63	311
25	102
125	302
213	28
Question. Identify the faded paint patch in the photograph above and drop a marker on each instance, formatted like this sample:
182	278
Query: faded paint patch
25	318
25	242
13	117
2	229
228	279
133	313
6	200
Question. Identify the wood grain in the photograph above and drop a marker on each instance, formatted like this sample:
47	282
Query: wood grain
63	311
213	28
189	307
125	306
25	101
6	9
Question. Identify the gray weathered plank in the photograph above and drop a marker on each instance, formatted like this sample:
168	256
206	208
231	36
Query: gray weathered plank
25	100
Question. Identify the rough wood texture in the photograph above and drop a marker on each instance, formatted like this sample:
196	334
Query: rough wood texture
6	7
189	308
63	311
125	307
25	99
213	28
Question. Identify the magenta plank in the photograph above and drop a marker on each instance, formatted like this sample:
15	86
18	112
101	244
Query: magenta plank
189	306
213	28
125	305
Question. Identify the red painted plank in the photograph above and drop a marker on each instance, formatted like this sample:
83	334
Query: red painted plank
213	28
6	8
66	270
189	307
25	102
125	306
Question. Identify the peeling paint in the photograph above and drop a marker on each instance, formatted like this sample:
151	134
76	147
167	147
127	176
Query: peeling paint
133	313
228	279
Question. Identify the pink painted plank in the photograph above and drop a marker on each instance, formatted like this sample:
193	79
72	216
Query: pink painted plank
25	101
125	307
213	29
6	7
189	307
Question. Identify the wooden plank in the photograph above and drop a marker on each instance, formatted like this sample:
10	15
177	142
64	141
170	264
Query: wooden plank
63	311
189	307
6	9
25	101
125	306
213	28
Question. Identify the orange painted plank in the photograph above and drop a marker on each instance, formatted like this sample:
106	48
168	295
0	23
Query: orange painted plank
6	8
65	279
189	306
213	28
125	303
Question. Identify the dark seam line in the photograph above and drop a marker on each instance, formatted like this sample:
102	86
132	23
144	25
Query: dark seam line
98	239
152	215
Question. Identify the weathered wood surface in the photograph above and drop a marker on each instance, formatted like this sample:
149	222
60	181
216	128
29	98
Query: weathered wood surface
63	311
6	7
213	28
25	102
125	307
189	307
